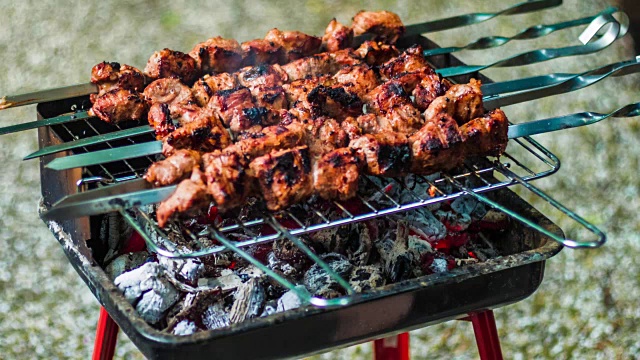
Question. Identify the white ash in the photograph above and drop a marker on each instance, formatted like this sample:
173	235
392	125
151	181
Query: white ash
133	283
439	265
469	206
215	317
186	269
126	262
290	300
155	302
184	328
270	308
227	281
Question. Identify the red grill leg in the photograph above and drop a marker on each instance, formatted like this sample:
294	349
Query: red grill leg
484	327
106	337
392	348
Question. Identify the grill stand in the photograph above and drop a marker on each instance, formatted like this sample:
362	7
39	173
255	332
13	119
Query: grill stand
390	348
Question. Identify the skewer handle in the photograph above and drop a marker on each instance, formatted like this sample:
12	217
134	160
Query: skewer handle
47	95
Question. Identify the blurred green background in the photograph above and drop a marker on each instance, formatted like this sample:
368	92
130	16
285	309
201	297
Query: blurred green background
587	306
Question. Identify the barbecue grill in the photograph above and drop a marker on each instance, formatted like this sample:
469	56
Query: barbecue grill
418	302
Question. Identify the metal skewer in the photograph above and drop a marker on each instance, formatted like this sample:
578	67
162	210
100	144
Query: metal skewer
139	192
532	32
614	30
411	30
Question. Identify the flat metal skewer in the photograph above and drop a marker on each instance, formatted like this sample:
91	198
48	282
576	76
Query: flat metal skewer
614	29
411	30
138	192
533	32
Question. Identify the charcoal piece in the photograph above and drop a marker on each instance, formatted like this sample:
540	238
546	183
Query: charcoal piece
285	250
320	283
126	262
251	271
157	300
281	267
187	270
215	317
397	261
226	281
424	223
332	240
418	247
249	301
469	206
453	221
290	300
184	328
365	278
360	245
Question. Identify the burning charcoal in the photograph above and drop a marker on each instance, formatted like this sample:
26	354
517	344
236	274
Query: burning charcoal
215	317
361	245
437	263
184	270
364	278
320	283
453	221
184	328
425	224
290	299
469	206
155	302
285	250
126	262
396	258
281	267
333	239
226	281
249	301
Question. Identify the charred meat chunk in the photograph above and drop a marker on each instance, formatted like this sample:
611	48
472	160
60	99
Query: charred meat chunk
376	53
335	174
237	110
431	87
394	108
323	134
261	51
357	79
217	55
437	146
337	36
486	135
385	25
227	181
190	196
254	144
262	75
295	44
335	101
111	75
409	61
168	91
173	169
172	64
119	105
462	101
284	176
207	86
205	133
385	153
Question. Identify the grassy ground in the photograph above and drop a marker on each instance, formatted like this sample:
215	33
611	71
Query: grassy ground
587	307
